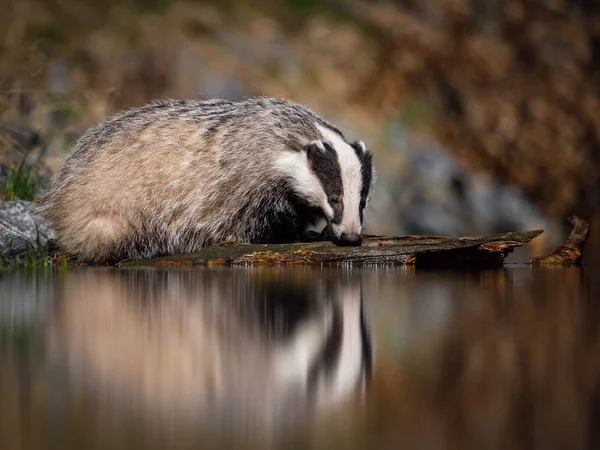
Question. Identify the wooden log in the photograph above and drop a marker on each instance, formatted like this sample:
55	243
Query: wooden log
571	252
421	251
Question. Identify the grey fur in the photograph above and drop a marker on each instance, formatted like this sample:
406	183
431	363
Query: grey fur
176	175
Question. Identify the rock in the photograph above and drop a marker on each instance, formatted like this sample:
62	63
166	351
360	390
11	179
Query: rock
12	245
19	216
21	231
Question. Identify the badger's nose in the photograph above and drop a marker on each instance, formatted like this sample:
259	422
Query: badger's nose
353	239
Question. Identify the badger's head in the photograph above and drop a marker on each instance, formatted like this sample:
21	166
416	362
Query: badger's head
336	178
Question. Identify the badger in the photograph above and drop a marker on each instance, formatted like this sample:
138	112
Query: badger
174	176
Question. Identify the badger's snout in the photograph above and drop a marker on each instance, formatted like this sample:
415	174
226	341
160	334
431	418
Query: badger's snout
348	239
339	236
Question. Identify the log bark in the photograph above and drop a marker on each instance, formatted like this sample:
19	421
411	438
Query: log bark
420	251
571	252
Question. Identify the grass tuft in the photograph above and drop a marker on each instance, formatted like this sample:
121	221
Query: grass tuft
20	184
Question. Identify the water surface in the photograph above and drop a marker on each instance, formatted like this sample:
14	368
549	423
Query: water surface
299	357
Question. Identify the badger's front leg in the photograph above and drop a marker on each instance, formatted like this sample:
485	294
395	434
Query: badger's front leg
314	236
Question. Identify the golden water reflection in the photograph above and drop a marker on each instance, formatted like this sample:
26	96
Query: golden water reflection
105	358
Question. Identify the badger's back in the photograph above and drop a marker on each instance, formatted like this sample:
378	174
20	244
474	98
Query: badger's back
174	176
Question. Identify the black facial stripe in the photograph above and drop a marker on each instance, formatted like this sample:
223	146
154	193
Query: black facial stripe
357	150
326	166
367	175
366	162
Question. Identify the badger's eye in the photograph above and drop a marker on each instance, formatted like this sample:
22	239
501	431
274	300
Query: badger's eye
362	204
334	200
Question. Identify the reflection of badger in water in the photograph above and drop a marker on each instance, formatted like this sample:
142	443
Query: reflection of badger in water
241	347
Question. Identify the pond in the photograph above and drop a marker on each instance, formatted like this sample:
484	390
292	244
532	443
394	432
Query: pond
300	357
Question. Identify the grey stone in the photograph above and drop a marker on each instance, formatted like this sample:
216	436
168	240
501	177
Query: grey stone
21	231
12	245
19	216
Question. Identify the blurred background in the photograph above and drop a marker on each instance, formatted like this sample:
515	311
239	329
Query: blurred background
483	115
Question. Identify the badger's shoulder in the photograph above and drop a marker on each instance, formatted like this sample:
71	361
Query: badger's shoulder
288	110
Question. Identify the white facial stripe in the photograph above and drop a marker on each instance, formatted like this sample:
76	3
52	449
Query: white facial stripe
362	145
294	165
319	145
351	180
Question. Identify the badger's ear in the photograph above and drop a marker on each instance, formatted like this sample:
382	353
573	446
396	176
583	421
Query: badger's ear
361	150
361	146
314	149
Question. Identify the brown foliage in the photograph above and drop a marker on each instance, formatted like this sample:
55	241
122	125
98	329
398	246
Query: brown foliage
514	83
